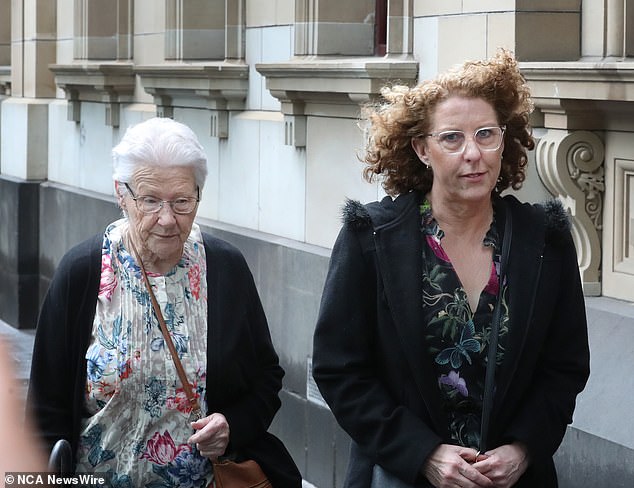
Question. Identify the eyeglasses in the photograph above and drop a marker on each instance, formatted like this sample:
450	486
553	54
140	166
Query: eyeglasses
454	141
149	204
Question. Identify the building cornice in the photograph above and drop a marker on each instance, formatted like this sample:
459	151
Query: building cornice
585	94
581	80
217	86
110	83
333	87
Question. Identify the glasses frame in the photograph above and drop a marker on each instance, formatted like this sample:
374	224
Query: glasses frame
473	137
162	202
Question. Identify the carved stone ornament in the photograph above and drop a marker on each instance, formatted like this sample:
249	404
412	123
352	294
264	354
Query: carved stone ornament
570	164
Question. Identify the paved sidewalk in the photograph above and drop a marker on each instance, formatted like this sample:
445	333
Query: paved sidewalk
20	344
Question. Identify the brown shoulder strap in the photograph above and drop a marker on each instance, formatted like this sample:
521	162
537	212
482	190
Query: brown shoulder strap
196	412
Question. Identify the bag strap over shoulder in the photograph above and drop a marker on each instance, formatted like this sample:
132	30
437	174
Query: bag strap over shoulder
487	402
196	412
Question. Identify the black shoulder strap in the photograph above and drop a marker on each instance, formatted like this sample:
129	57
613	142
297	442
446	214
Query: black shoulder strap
487	402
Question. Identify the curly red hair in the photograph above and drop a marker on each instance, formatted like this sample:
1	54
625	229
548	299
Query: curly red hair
406	112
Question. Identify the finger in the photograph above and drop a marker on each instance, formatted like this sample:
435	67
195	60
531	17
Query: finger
469	455
213	450
475	477
200	423
205	431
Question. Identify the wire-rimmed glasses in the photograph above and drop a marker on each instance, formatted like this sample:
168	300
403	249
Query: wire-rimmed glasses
149	204
454	141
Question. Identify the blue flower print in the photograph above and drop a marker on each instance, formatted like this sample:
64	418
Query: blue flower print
156	396
96	363
189	469
466	344
92	442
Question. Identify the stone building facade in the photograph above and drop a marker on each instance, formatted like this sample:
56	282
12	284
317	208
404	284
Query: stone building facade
273	89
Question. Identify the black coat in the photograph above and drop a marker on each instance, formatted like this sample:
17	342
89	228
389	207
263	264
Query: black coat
243	372
369	357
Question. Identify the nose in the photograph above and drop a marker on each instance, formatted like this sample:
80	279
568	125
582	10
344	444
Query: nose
471	149
166	215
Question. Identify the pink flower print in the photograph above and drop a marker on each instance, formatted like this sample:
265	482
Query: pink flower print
493	284
434	244
194	275
161	450
108	279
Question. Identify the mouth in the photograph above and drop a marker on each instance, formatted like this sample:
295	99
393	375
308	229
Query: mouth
473	175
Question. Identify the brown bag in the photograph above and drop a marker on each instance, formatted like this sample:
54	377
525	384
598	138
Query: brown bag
227	474
247	474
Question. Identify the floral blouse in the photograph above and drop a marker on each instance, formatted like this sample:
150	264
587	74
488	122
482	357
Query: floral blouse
457	338
137	426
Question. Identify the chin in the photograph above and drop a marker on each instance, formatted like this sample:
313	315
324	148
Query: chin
167	250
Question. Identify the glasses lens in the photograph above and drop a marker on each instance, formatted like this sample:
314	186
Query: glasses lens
149	204
452	140
184	205
489	138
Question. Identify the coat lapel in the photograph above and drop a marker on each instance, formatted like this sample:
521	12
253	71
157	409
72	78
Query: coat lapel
522	275
399	251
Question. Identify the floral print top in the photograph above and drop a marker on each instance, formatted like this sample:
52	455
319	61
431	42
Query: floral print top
457	338
137	426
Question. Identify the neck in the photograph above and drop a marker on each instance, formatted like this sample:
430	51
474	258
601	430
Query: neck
150	261
462	218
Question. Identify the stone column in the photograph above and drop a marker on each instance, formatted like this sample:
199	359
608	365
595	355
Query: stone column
25	114
24	154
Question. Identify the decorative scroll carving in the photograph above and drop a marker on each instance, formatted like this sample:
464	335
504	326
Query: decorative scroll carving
570	164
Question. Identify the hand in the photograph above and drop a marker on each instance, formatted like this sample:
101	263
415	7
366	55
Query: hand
504	465
450	467
211	436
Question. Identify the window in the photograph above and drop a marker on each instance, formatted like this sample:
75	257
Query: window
103	29
380	28
320	27
195	30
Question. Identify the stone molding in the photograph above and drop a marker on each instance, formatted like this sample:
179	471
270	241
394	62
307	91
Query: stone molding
581	94
216	86
570	164
109	83
330	87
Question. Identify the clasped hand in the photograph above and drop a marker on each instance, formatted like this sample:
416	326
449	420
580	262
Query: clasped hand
455	466
212	435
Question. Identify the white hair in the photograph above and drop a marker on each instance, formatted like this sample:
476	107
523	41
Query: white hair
158	142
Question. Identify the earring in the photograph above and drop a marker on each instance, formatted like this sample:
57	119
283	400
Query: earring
425	162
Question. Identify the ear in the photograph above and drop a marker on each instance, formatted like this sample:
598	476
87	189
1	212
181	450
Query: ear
420	148
119	192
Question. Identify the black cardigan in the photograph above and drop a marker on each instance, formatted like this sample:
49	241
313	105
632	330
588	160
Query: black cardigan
369	357
243	372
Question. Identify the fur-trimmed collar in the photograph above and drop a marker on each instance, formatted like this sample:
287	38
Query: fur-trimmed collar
557	219
355	214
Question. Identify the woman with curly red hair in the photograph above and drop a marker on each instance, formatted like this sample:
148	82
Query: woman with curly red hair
451	341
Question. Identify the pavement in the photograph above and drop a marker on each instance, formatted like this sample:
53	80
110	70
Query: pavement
19	342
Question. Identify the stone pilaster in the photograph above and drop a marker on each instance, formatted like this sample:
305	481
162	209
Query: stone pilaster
570	164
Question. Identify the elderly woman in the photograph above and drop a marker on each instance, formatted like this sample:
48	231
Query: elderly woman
451	341
102	376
